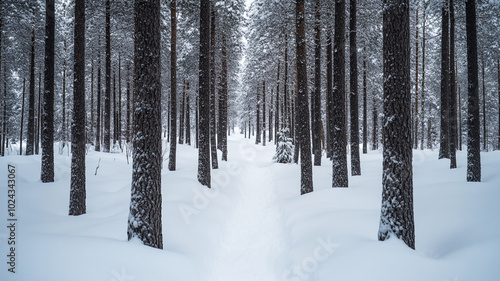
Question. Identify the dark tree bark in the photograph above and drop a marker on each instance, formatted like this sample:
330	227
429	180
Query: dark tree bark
444	141
98	108
77	186
329	94
353	56
90	134
306	180
485	135
397	180
365	109
31	102
47	171
375	123
197	120
188	118
422	109
263	113
39	115
22	119
415	131
339	152
119	111
453	92
277	110
286	112
115	111
498	86
128	131
316	100
173	87
107	95
473	123
204	95
271	111
64	127
182	114
213	125
144	221
257	137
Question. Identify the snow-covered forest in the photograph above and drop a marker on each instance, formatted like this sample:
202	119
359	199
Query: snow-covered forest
249	139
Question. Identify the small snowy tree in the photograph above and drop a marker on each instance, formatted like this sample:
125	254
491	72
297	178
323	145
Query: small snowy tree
284	148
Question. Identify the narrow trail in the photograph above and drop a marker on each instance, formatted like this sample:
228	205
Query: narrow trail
252	247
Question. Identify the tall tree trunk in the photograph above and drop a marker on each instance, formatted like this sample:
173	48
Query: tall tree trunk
145	207
271	111
99	107
473	123
396	217
39	115
277	113
22	119
213	128
444	137
453	92
485	135
31	103
263	113
64	128
197	120
204	95
459	120
173	87
77	186
353	51
339	152
415	132
306	179
182	114
316	100
257	138
422	98
498	86
115	113
107	95
47	171
375	123
188	118
91	127
329	94
119	113
365	107
286	111
128	130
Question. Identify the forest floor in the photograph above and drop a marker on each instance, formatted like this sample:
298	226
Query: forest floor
253	224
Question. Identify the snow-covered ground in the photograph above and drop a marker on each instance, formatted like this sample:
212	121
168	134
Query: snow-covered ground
253	225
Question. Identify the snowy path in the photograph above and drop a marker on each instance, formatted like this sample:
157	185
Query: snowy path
251	247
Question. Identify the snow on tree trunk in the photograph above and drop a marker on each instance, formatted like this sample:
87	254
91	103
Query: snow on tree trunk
339	150
353	67
47	171
473	123
77	186
204	95
107	94
444	144
306	180
396	217
144	222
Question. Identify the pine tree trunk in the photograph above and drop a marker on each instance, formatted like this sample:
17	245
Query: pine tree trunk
365	108
115	114
107	95
264	113
77	185
119	113
47	171
498	86
316	99
375	123
277	119
129	125
22	119
422	108
188	119
31	102
63	127
213	125
453	92
415	132
286	111
485	136
197	120
257	138
339	152
39	115
271	113
355	161
306	180
90	134
473	123
144	220
99	107
204	95
181	114
173	87
329	95
397	181
444	138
